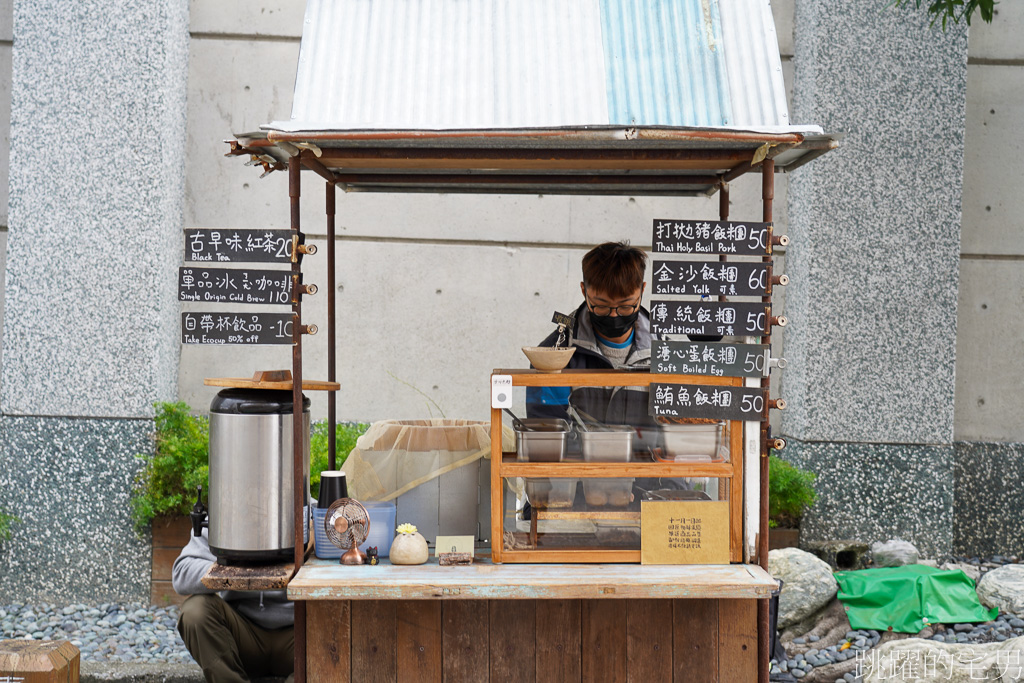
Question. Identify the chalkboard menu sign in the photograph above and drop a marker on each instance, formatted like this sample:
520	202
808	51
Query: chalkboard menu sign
230	245
707	402
711	237
710	278
709	318
227	285
708	358
237	328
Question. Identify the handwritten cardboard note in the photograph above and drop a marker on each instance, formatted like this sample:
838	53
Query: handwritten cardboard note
684	532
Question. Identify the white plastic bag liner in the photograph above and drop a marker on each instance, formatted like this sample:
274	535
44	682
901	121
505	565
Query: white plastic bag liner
431	469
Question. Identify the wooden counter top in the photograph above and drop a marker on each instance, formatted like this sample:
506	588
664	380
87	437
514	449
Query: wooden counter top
483	580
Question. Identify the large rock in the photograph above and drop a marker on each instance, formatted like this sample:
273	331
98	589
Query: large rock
973	571
1003	588
809	584
929	661
895	553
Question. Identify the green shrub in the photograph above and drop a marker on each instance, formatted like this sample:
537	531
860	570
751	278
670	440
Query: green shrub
346	435
6	521
790	493
167	483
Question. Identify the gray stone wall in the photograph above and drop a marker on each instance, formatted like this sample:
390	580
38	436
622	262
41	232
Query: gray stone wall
874	261
90	324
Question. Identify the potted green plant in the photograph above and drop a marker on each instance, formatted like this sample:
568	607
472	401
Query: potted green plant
790	493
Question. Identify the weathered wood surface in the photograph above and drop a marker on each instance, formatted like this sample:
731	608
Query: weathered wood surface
608	378
483	580
34	661
329	634
248	578
551	641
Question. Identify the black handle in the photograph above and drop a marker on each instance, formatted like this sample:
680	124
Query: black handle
198	514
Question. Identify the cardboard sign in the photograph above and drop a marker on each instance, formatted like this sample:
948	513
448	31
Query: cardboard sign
454	544
684	532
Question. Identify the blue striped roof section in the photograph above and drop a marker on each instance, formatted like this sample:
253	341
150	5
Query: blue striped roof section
665	63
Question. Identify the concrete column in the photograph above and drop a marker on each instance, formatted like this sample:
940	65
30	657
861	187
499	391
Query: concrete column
874	261
90	326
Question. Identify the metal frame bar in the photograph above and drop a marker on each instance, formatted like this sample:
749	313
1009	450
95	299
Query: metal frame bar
298	442
763	635
308	159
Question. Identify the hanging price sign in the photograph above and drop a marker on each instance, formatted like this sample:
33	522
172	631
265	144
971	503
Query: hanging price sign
707	402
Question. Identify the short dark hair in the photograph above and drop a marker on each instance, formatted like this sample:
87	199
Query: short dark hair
614	268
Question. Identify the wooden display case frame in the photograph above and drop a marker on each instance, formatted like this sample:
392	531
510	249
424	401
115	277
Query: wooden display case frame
505	465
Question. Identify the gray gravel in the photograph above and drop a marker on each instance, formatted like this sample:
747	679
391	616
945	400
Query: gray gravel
1003	627
107	632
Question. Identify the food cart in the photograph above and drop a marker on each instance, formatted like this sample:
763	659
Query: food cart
533	613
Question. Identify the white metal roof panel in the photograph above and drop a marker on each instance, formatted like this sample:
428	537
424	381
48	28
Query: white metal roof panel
522	64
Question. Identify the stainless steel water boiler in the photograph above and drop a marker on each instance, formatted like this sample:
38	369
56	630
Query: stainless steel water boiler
251	503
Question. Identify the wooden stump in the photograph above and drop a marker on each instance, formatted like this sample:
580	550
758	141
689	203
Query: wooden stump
39	661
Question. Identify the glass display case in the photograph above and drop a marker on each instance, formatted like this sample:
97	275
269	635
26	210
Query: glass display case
572	490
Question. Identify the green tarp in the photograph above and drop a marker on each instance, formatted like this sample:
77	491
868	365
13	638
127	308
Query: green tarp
906	599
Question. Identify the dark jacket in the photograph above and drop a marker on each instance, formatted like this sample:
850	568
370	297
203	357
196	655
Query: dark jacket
610	405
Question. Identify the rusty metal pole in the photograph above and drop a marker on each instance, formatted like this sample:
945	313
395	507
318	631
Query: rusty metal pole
763	635
332	396
298	433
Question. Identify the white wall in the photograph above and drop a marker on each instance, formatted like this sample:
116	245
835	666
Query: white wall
990	330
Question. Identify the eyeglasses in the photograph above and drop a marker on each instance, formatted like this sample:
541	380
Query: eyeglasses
621	311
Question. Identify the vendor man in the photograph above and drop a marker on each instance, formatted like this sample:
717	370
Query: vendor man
234	636
610	330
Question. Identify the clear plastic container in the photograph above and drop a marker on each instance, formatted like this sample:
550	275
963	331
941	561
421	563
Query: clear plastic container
613	444
541	439
608	493
547	493
382	531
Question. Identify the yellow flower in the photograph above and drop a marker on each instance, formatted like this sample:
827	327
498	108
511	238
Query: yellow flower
406	528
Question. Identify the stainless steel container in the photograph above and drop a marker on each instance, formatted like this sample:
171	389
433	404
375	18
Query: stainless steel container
541	439
252	489
613	443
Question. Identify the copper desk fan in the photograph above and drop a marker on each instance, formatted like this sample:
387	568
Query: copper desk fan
347	525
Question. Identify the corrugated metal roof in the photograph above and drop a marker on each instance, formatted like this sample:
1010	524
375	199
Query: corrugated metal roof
504	64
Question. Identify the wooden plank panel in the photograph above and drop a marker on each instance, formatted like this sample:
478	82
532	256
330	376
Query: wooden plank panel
163	562
735	488
419	640
374	645
171	532
328	644
513	628
162	593
465	644
603	641
695	637
737	628
649	641
558	641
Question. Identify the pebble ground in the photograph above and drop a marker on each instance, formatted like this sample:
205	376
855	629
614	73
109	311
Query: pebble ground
1003	627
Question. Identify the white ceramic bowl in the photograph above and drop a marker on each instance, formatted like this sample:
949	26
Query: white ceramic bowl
549	359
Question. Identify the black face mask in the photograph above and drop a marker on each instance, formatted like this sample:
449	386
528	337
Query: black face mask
612	327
